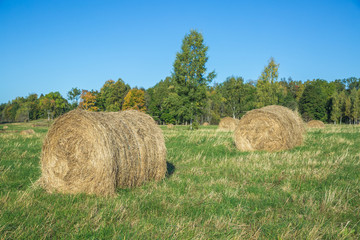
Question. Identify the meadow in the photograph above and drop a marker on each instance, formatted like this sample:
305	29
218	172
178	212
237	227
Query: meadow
211	191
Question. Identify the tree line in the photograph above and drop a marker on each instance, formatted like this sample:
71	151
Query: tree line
190	96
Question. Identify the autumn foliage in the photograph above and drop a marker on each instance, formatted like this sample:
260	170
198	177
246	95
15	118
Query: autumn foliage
88	101
135	99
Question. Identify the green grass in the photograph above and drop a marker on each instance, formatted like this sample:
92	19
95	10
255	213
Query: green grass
212	191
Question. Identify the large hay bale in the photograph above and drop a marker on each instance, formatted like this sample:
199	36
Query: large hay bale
315	124
96	152
27	132
228	124
205	124
270	128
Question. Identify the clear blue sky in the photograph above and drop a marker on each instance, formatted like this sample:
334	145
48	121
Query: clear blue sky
56	45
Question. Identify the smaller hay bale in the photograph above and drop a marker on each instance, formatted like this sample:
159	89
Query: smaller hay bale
5	127
170	126
206	124
315	124
27	132
40	125
228	124
271	128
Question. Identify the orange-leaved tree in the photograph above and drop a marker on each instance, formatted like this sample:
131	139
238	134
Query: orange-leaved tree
135	99
88	101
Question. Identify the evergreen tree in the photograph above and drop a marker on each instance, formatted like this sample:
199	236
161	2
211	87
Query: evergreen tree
189	76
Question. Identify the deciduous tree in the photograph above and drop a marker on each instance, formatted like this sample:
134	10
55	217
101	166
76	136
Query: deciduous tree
355	105
189	76
335	108
112	94
268	90
88	101
73	96
312	103
135	99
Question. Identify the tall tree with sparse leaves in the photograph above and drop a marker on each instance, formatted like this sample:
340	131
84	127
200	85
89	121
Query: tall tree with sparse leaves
268	90
73	96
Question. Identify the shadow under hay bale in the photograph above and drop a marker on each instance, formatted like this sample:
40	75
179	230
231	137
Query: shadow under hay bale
27	132
270	128
315	124
97	152
170	169
228	124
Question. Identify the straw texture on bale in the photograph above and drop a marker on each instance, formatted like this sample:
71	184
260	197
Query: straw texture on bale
315	124
97	152
228	124
271	128
27	132
205	124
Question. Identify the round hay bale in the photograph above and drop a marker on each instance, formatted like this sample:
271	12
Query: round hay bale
170	126
5	127
271	128
27	132
228	124
206	124
315	124
97	152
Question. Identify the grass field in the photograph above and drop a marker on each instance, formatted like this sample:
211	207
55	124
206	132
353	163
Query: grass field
212	191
